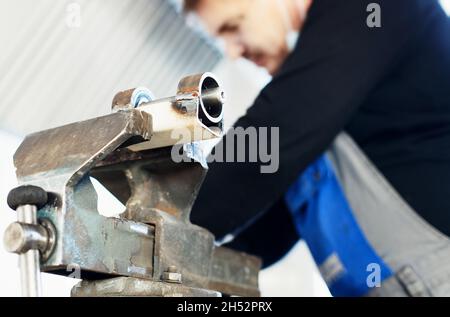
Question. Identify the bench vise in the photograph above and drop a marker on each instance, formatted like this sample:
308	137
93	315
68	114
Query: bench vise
151	249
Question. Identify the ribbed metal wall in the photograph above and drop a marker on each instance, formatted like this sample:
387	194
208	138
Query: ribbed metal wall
52	73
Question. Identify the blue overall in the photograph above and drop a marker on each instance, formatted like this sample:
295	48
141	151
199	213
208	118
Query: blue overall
325	221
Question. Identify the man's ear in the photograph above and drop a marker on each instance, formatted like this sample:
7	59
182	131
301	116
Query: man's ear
190	5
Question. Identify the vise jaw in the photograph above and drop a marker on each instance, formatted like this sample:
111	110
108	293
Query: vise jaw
152	249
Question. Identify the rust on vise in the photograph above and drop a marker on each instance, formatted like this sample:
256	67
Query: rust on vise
74	148
234	273
122	100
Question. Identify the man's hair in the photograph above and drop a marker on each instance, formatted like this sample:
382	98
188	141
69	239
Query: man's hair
190	5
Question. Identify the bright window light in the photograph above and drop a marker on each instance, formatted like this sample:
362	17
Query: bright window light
446	5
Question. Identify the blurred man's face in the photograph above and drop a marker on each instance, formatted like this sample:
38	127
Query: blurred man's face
253	29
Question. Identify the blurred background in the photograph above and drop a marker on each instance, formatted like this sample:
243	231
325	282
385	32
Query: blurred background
63	61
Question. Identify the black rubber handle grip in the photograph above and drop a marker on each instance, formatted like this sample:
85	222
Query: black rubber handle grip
27	195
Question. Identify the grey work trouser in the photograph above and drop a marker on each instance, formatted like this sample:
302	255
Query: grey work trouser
418	254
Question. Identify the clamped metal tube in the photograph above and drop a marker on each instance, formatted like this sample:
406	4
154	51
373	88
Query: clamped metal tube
28	238
195	113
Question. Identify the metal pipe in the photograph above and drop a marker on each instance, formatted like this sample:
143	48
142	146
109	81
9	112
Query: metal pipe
195	113
30	274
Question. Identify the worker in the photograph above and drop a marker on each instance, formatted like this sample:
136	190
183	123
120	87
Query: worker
360	94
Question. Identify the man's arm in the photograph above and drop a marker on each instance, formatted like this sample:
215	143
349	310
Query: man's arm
337	63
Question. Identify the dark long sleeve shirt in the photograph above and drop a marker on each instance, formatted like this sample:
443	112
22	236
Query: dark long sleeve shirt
388	87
